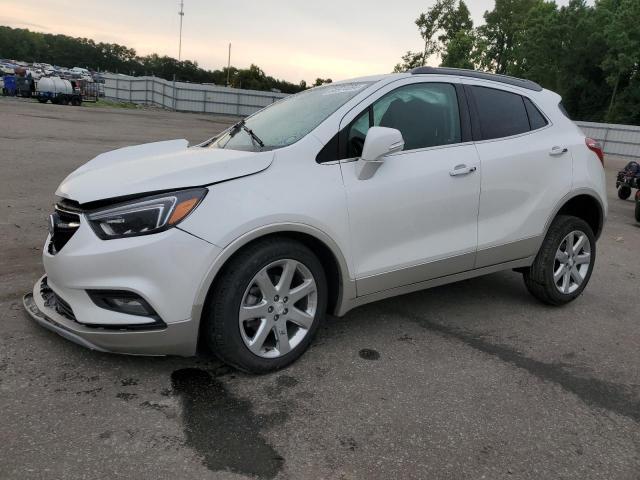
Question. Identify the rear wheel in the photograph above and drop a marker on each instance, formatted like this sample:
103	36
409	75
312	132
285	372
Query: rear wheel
624	192
266	306
42	99
563	266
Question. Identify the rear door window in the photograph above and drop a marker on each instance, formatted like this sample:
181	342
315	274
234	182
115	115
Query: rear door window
501	113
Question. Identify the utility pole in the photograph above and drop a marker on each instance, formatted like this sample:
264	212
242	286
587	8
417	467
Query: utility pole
229	65
181	13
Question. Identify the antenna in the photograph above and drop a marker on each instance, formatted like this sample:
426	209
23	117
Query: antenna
181	13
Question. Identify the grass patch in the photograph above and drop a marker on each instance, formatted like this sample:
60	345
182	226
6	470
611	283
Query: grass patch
102	103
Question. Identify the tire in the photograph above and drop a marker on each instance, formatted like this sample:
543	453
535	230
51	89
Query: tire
42	99
64	100
539	278
75	101
624	192
638	209
237	288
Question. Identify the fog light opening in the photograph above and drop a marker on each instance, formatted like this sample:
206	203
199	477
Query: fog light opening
122	301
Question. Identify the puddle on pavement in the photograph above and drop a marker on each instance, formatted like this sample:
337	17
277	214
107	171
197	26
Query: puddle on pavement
222	428
369	354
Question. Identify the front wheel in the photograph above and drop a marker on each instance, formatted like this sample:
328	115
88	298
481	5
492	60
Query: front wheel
563	266
266	306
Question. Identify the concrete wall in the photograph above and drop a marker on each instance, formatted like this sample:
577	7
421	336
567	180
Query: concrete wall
187	97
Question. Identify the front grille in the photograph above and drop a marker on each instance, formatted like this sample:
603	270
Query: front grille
53	300
62	225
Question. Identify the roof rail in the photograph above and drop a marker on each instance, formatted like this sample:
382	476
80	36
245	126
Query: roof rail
494	77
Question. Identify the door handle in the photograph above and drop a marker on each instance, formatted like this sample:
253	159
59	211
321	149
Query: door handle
558	150
462	170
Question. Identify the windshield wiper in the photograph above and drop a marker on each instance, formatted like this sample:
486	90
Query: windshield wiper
242	126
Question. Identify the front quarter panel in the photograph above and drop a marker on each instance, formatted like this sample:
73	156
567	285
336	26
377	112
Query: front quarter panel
294	190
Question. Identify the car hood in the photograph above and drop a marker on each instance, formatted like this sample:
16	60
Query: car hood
158	166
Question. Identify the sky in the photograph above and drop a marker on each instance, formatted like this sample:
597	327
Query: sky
289	39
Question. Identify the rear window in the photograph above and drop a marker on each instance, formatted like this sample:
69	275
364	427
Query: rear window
502	114
564	110
536	119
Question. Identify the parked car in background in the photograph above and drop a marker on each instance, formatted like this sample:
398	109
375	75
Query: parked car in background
80	71
326	200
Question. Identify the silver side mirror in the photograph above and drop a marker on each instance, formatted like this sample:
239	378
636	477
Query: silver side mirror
380	142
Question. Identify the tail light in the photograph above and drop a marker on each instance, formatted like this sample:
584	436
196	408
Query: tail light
596	148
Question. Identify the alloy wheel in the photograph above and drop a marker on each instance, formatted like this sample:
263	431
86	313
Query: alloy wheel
278	308
572	262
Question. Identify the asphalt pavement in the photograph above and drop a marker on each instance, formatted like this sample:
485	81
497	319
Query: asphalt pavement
467	381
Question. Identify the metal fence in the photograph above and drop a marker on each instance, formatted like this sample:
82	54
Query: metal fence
619	140
187	97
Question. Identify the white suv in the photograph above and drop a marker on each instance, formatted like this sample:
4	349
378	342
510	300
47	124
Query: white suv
336	197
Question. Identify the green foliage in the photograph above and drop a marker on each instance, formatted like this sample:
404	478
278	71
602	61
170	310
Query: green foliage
25	45
500	32
447	30
589	54
322	81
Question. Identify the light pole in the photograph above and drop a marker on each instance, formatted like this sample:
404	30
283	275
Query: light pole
229	65
181	13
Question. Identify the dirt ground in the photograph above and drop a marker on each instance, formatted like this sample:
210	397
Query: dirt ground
470	380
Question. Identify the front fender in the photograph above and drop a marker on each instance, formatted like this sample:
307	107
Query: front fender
347	288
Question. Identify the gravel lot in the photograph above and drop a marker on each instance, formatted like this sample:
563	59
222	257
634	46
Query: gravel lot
471	380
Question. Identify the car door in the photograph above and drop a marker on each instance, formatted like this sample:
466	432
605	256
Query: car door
526	170
416	218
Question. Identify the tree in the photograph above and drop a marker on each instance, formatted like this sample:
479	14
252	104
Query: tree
447	30
22	44
501	31
460	51
322	81
537	46
458	38
621	21
410	60
589	54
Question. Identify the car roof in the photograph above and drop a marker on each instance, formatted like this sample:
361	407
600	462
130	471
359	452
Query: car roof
462	72
457	72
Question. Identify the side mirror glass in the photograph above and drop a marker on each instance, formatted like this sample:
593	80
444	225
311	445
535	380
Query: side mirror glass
380	142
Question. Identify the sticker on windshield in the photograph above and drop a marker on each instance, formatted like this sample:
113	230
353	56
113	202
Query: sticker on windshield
343	88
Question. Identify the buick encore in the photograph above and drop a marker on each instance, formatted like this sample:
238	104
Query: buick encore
326	200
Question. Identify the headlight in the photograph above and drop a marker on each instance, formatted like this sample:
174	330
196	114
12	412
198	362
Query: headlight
146	215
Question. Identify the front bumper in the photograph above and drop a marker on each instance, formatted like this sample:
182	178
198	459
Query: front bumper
176	339
166	269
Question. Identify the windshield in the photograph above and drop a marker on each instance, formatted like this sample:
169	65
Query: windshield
290	119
